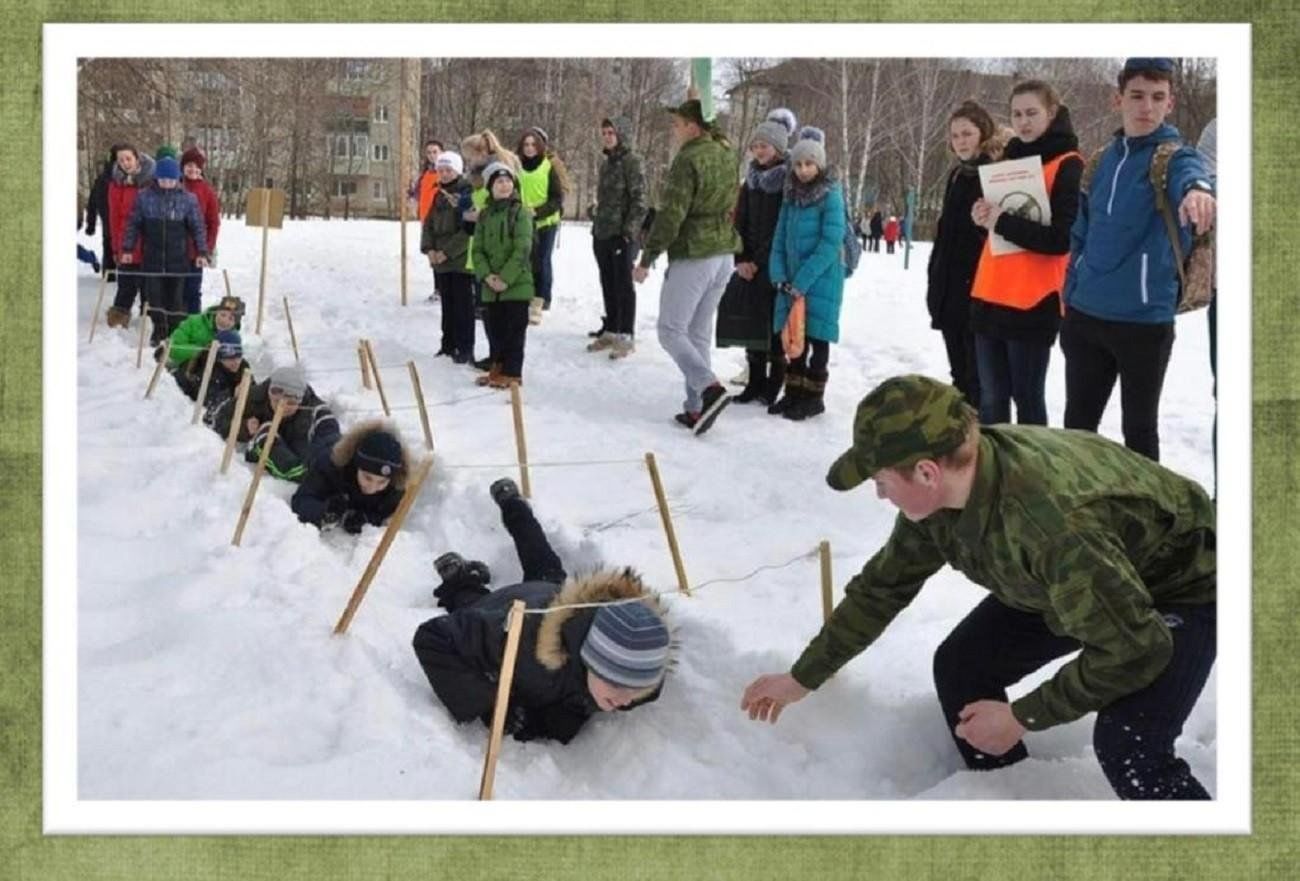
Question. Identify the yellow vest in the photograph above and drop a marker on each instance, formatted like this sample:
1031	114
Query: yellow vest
534	189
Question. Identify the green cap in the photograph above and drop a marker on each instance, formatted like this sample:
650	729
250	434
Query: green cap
690	110
903	420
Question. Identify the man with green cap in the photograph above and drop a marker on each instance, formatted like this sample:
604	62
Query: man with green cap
693	224
1083	545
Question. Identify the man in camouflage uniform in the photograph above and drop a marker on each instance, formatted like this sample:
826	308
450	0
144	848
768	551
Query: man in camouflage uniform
615	225
1083	545
693	225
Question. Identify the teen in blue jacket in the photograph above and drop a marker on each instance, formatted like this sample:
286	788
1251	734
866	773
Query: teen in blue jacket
1121	287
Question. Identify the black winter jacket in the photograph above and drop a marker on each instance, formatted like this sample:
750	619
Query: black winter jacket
331	481
461	655
311	429
958	241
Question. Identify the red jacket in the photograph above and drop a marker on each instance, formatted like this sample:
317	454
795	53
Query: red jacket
121	198
892	229
209	207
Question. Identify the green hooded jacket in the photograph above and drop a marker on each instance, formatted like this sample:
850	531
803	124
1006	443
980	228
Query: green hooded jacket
503	243
1066	524
694	216
192	337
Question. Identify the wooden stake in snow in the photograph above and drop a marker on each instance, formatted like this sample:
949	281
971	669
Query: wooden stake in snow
504	681
139	349
419	400
99	304
241	398
379	382
257	474
421	471
293	337
158	368
402	170
207	378
365	364
226	276
521	443
261	281
824	552
667	518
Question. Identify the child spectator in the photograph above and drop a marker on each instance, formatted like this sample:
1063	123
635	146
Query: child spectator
502	242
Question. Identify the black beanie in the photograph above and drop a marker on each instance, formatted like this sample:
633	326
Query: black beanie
379	453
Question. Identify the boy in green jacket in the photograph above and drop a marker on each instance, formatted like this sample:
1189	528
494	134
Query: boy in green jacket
191	338
1084	546
503	241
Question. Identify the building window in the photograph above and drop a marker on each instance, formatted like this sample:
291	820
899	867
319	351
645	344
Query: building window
379	153
377	190
359	144
154	104
345	188
355	71
381	113
340	147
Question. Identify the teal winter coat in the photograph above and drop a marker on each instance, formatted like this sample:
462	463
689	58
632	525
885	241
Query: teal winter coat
806	253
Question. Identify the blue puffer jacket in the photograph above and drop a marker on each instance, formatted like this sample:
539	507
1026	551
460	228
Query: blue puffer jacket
1121	262
166	219
806	252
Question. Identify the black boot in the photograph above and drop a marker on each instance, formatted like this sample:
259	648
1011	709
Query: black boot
600	331
775	376
810	403
794	381
756	386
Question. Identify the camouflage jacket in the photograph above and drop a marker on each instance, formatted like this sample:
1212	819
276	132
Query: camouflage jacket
694	215
1062	523
620	196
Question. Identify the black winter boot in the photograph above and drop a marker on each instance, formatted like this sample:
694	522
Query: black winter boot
775	376
794	386
756	386
810	404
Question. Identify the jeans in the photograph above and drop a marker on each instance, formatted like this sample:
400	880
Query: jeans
1012	370
996	646
543	245
1096	353
688	302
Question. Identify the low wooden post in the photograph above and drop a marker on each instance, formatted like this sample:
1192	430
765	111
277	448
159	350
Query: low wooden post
237	419
419	400
158	368
139	349
203	385
257	474
99	304
226	276
521	443
394	524
504	681
664	515
379	382
293	337
365	364
824	552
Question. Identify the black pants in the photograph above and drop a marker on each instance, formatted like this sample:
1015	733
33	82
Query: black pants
961	363
457	314
536	556
1098	351
889	246
506	325
995	646
820	351
1212	317
128	288
166	298
875	243
614	259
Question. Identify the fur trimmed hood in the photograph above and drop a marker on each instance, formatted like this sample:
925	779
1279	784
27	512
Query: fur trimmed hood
346	447
767	180
800	193
601	586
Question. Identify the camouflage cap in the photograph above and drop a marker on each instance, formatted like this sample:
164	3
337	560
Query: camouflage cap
903	420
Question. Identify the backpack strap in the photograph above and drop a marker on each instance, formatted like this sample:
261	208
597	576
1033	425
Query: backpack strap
1159	174
1090	168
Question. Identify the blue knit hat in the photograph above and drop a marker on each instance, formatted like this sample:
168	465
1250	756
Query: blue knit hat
229	345
627	645
167	168
379	452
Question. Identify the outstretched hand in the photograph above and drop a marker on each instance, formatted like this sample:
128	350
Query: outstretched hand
989	726
1198	209
769	694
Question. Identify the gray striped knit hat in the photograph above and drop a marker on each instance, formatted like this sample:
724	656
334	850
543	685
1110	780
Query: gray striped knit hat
627	645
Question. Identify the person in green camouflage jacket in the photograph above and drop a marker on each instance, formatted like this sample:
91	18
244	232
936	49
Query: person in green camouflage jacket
1083	545
693	224
615	225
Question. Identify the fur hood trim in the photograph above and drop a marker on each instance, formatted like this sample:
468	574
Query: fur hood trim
346	447
602	586
767	180
803	194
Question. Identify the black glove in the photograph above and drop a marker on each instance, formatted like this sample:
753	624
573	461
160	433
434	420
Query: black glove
335	508
479	571
459	594
352	521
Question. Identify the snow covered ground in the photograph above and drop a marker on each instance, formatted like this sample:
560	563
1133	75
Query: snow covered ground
209	672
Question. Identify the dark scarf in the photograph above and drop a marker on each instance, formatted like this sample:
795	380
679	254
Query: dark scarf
1059	138
531	164
767	179
810	193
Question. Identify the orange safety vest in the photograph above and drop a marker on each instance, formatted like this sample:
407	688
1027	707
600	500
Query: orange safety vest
428	190
1021	280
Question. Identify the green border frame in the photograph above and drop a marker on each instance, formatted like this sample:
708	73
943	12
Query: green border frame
26	854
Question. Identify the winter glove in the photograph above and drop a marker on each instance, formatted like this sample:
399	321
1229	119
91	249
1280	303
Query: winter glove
335	508
352	521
